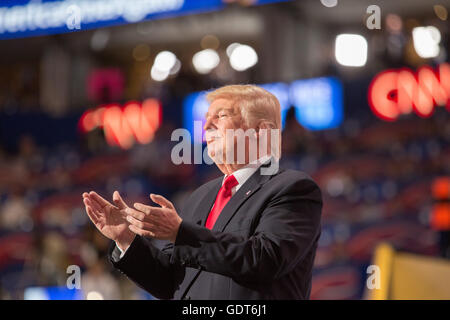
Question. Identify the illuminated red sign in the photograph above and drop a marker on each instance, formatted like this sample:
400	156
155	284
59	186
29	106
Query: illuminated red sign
134	122
396	92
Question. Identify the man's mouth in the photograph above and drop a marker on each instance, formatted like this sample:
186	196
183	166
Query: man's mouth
211	137
209	140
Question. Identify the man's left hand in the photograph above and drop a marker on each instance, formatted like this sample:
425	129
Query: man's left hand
156	222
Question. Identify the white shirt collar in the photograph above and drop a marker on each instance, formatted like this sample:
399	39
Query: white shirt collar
244	173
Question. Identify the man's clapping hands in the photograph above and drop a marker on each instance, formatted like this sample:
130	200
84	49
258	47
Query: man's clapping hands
156	222
121	223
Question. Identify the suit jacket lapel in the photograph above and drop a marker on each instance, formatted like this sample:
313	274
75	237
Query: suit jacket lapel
245	192
202	210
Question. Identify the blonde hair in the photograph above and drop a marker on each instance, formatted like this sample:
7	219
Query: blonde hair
255	103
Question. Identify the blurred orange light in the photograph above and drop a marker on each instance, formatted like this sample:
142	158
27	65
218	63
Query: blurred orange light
380	96
134	122
440	219
441	188
88	122
440	215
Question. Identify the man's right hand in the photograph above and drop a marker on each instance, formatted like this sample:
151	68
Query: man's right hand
109	219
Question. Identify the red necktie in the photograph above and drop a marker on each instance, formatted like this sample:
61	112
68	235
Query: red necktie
222	198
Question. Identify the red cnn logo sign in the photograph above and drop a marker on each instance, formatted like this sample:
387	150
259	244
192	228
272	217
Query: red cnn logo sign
134	122
396	92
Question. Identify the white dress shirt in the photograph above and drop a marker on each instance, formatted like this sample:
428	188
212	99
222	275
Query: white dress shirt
244	173
241	176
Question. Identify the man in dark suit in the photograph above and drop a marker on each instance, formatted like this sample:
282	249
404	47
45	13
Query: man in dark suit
251	234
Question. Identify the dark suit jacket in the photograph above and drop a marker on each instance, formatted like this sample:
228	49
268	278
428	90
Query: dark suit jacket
262	245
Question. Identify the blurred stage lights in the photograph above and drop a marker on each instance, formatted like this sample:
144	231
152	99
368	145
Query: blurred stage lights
351	50
426	41
94	295
123	126
393	93
165	60
176	67
210	42
166	63
100	39
158	75
231	48
242	57
205	61
441	12
329	3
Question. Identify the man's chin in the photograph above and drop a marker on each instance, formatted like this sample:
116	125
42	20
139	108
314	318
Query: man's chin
212	155
212	148
215	156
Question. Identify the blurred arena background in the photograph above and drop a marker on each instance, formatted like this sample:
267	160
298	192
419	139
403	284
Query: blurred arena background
91	91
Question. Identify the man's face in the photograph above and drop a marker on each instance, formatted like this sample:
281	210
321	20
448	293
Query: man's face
221	116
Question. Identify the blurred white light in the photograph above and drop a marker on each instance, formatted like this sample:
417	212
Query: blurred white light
94	295
335	187
243	57
206	60
426	41
329	3
165	60
99	39
158	74
231	48
351	50
165	63
176	67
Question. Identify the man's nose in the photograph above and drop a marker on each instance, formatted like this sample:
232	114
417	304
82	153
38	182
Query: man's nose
209	124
